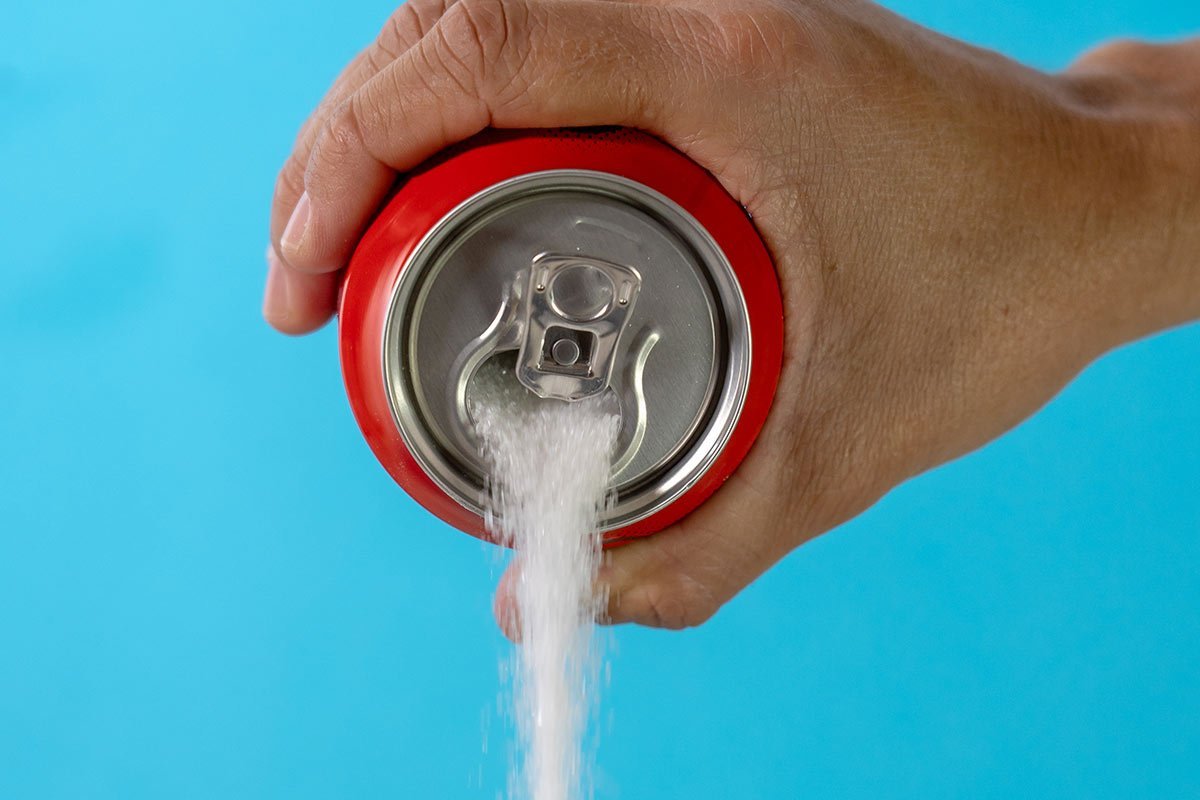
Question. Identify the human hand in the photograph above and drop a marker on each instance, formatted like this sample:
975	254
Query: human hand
956	235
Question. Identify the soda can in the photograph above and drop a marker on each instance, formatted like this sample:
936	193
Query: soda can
577	263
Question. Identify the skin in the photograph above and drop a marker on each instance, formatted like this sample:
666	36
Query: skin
956	235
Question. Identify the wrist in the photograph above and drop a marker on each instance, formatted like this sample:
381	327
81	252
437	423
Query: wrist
1137	269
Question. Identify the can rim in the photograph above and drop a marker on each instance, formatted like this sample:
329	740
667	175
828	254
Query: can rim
688	461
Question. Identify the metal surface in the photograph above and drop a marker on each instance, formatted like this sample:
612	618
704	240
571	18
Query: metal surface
680	356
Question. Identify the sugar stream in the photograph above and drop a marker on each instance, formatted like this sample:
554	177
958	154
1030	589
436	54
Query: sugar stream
550	465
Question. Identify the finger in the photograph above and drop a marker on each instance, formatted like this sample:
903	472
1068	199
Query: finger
499	63
295	302
678	578
403	29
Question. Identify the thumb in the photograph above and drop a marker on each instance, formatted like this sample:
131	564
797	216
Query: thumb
680	576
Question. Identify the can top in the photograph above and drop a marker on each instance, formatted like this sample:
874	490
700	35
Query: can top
570	284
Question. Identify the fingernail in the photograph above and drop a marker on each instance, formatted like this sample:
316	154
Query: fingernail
293	235
275	296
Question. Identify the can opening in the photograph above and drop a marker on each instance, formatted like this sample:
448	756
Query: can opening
567	350
495	383
560	286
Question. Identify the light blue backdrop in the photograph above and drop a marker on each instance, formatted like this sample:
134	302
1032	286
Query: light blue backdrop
209	589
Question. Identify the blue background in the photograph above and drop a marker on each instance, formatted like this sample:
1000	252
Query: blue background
209	588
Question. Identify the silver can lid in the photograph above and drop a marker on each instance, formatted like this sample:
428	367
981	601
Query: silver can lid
560	285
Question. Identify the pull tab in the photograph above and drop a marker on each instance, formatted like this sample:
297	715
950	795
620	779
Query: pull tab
574	312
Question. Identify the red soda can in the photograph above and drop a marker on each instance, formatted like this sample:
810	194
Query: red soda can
583	262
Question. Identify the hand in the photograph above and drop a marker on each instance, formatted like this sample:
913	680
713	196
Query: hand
956	235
